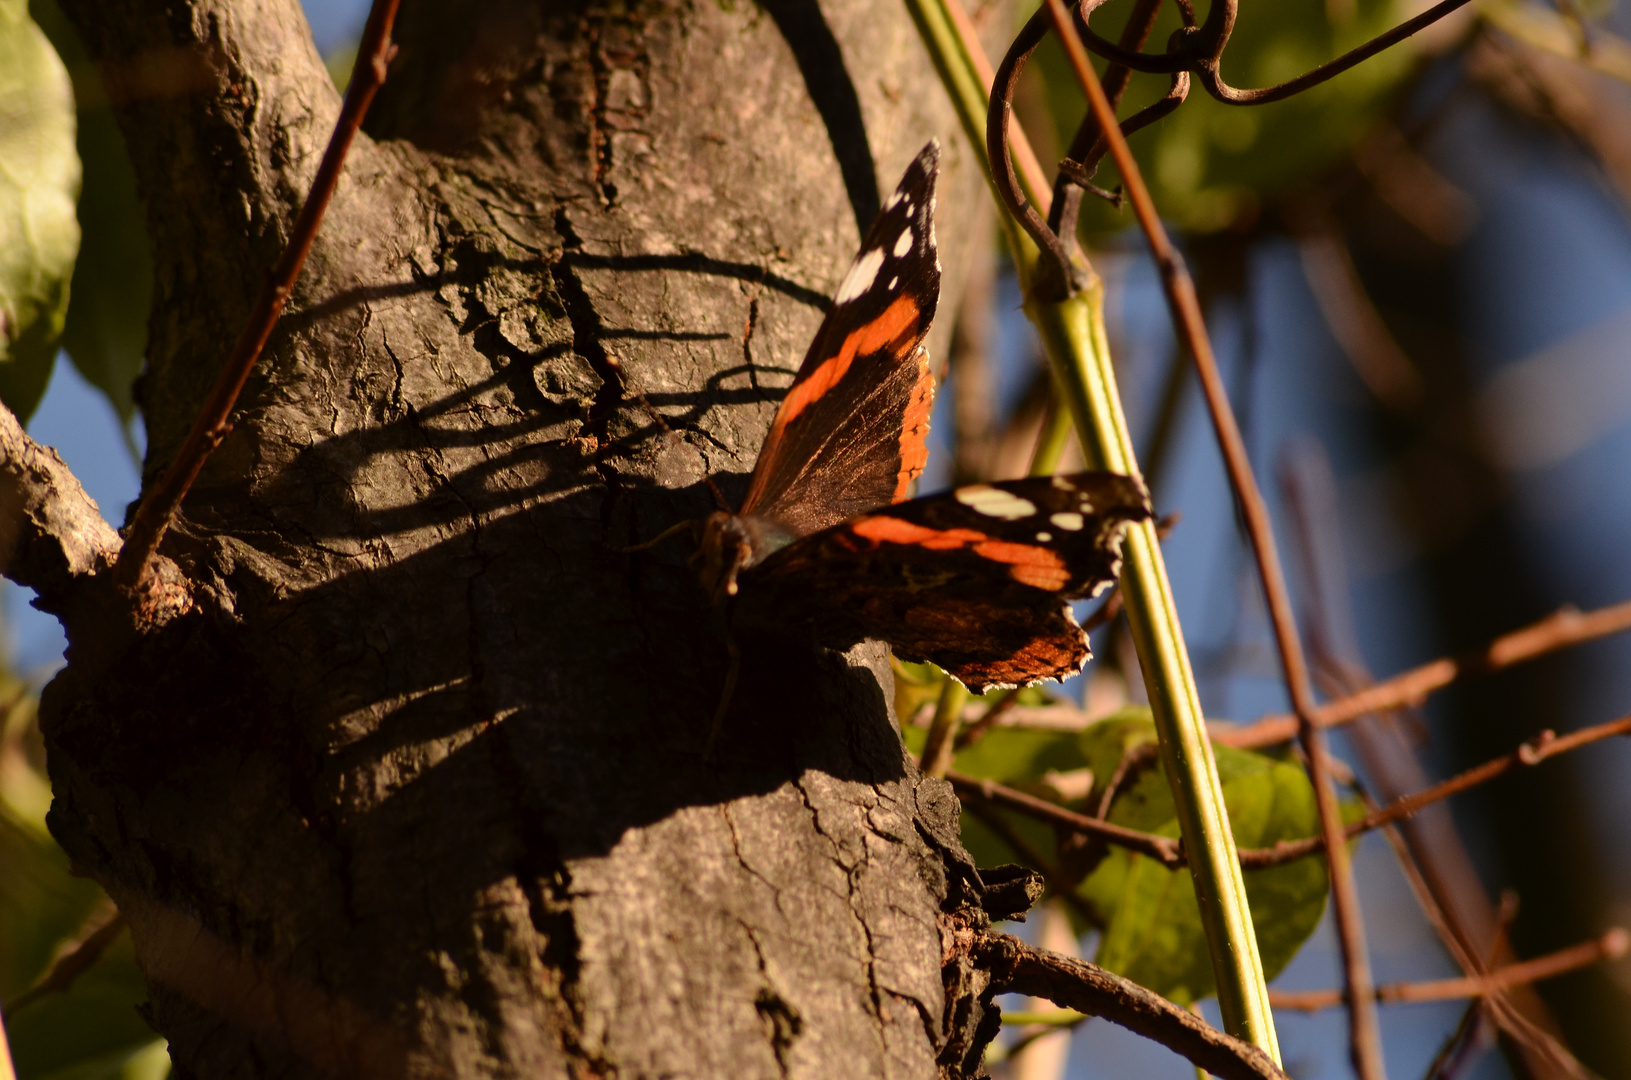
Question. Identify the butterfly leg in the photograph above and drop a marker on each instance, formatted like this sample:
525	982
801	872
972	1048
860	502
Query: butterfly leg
725	696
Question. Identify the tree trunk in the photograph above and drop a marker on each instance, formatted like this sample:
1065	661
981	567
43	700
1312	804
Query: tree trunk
416	785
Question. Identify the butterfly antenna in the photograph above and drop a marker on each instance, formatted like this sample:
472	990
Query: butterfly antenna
671	531
640	399
725	696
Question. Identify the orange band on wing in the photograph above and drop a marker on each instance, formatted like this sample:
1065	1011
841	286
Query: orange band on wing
892	530
914	432
899	320
896	328
1028	564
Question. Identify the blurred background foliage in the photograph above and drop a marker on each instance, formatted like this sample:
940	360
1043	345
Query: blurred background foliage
1375	255
1212	166
39	235
49	918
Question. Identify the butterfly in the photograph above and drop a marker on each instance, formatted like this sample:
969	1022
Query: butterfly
977	580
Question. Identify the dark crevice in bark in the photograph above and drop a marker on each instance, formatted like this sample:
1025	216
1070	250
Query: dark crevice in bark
783	1025
546	881
616	46
588	343
747	350
588	332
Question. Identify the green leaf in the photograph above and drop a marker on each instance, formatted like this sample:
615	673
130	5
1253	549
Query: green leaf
39	183
1152	928
105	334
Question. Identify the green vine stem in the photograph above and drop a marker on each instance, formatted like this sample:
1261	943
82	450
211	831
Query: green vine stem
1073	336
941	744
1073	333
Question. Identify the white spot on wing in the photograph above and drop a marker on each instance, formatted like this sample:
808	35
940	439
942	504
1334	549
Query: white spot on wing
903	243
860	276
895	200
994	502
1067	521
1043	537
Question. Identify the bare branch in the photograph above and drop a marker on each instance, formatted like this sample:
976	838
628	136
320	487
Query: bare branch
1559	630
1611	945
1350	314
51	533
107	925
1169	852
1533	752
1076	984
1162	849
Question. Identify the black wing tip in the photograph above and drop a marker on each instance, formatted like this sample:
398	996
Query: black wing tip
928	158
920	174
1131	495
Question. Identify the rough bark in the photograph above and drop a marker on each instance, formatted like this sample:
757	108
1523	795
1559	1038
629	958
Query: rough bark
416	786
52	534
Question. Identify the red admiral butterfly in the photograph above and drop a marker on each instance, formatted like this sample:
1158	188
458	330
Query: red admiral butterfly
976	580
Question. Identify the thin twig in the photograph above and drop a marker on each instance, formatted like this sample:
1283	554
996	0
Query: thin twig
1533	752
940	744
988	719
70	966
1612	944
158	507
1163	849
1076	984
1087	147
1472	929
1364	1030
1169	852
1351	316
1457	1050
1210	77
1063	1020
1563	628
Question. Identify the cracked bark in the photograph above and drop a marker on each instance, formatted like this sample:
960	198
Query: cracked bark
416	785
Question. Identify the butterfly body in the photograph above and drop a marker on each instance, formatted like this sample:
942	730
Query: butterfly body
977	580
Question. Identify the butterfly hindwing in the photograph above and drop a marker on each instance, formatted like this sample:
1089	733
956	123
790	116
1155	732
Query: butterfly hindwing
977	580
849	435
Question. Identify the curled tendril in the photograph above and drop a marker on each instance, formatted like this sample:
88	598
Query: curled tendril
1193	50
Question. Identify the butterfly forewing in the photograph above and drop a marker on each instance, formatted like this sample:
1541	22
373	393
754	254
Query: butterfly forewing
977	580
849	436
